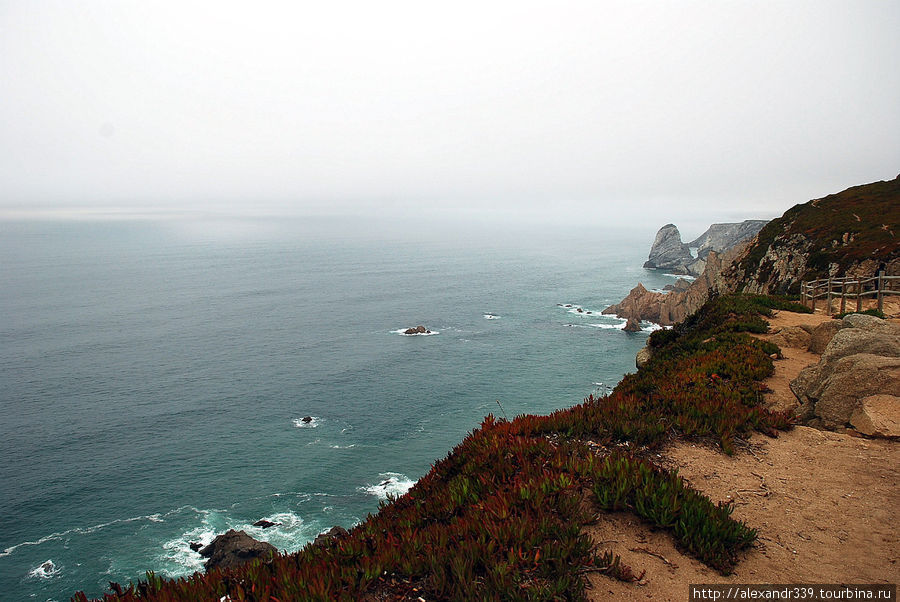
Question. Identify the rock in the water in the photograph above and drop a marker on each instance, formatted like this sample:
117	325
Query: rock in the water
668	252
878	416
417	330
195	546
632	325
234	548
265	524
306	419
335	532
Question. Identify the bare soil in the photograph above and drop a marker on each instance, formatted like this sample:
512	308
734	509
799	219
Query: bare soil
825	505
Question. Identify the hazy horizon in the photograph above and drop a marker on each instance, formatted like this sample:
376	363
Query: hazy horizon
591	111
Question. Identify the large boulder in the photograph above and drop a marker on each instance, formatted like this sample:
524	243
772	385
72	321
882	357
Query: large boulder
796	337
850	341
878	416
870	323
234	548
833	391
822	334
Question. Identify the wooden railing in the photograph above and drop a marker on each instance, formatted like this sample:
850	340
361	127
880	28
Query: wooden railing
849	288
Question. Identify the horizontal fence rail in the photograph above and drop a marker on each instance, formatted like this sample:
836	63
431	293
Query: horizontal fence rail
848	288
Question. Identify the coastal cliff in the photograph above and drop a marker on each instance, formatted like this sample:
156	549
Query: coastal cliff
668	252
595	495
850	233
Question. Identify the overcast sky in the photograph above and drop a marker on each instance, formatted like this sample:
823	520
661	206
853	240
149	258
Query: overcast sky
605	110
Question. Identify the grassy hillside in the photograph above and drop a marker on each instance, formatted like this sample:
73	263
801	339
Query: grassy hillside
827	236
501	517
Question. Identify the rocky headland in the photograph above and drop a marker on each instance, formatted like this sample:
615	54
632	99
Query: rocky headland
669	253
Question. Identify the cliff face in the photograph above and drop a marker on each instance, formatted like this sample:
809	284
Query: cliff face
721	237
845	234
669	308
668	252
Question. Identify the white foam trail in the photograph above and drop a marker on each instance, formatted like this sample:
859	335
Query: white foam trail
390	483
156	518
351	446
46	570
491	317
685	276
300	424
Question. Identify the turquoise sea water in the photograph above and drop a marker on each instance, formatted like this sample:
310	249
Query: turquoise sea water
154	374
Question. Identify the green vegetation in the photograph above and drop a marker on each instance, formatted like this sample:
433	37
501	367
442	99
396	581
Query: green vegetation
868	312
501	517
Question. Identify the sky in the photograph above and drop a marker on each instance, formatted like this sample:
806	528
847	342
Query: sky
594	110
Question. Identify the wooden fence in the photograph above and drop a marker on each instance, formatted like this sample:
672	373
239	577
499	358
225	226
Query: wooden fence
849	288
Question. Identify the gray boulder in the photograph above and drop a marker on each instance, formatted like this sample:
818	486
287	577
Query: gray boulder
234	548
850	341
870	323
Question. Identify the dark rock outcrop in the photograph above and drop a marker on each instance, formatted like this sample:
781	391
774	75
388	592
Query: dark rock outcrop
234	548
333	533
417	330
265	524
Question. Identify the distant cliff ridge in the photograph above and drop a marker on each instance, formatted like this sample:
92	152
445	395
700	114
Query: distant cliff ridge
668	252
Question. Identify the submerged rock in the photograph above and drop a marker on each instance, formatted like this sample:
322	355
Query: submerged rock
265	524
234	548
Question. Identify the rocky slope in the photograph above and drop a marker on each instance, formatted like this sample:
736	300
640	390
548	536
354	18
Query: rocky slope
845	234
850	233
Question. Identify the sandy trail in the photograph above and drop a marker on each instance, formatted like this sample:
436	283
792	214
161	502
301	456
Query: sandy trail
825	505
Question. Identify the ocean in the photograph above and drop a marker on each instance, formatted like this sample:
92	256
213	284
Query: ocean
155	374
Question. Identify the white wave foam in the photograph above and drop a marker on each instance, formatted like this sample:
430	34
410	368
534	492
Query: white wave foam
491	317
351	446
60	535
402	332
684	276
578	309
390	483
302	423
610	326
46	570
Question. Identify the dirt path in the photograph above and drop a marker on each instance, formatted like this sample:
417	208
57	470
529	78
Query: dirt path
825	504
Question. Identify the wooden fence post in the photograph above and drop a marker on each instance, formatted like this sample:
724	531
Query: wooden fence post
859	290
828	305
843	296
881	290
